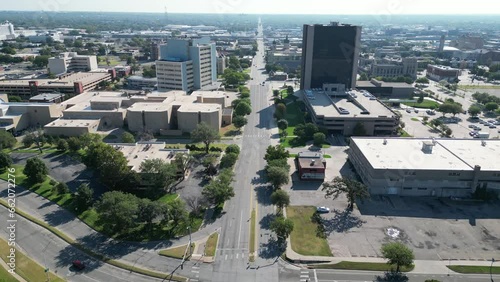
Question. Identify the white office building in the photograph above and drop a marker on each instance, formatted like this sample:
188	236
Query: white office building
187	65
72	62
7	31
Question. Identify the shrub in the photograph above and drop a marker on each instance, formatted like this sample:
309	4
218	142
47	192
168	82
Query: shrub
61	188
228	160
233	149
62	145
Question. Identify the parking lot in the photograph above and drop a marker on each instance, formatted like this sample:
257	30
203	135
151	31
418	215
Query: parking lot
436	229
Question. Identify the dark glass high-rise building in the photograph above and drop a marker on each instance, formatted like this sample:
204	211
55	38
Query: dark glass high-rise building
330	54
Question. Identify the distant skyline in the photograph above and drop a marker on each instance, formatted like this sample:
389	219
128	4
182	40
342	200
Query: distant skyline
333	7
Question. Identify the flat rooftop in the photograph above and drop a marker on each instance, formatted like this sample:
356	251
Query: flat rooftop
383	84
139	152
73	123
199	107
447	154
84	77
148	107
210	94
328	106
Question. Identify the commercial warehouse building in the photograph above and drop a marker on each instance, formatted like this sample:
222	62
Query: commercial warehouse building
388	90
17	117
426	167
438	73
341	111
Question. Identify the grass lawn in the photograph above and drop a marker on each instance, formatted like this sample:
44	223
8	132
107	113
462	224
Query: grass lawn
405	134
426	104
252	232
177	252
292	142
294	114
229	130
26	267
211	245
373	266
415	119
168	198
327	156
474	269
479	86
303	238
6	277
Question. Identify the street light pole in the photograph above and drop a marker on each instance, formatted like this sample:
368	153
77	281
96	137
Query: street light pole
491	269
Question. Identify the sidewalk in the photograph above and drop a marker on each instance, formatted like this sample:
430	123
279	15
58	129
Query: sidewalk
421	266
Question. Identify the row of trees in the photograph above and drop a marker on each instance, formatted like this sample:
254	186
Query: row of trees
485	103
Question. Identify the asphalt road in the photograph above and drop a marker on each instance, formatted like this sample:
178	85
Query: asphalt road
52	252
232	260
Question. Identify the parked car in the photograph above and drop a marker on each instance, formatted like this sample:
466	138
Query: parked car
472	133
323	210
492	126
472	126
408	110
416	111
78	264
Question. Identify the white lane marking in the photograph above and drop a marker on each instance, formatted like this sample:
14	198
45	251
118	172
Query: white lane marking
239	233
237	256
315	276
90	278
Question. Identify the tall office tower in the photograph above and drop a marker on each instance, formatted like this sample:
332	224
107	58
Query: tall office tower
330	54
186	65
441	43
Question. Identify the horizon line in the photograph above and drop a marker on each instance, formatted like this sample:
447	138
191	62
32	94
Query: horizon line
256	14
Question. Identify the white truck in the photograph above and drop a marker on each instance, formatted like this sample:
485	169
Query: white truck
483	135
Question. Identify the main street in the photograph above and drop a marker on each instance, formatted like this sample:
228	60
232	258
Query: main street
232	259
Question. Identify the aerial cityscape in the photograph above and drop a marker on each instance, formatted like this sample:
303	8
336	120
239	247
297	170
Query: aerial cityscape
250	141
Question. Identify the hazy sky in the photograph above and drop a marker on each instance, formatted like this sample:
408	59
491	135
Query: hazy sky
263	6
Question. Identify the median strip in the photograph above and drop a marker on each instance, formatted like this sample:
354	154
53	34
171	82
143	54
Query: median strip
91	253
475	269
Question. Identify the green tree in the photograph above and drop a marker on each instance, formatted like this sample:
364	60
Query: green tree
61	188
35	170
28	140
280	111
233	149
219	190
83	197
319	139
242	109
289	90
41	61
175	213
7	140
398	254
15	99
74	144
160	176
276	92
148	212
420	99
491	106
62	145
363	77
359	130
278	163
436	122
118	211
234	63
183	162
239	122
277	176
205	134
282	124
228	160
5	160
474	110
276	152
280	198
89	139
353	190
127	137
282	227
423	80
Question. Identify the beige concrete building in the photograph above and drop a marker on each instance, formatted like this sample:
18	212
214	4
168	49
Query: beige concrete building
340	111
426	167
137	153
190	115
172	111
16	117
71	127
72	62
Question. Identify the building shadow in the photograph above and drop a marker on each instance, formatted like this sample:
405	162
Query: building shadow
342	221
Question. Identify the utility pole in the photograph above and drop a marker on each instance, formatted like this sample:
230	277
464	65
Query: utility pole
491	269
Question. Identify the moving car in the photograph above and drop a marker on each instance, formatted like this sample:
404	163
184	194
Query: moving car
322	210
78	265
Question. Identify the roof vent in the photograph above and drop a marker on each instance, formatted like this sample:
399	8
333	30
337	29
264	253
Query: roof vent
427	147
483	143
313	162
385	141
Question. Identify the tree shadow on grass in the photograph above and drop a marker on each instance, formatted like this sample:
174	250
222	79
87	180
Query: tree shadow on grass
342	221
